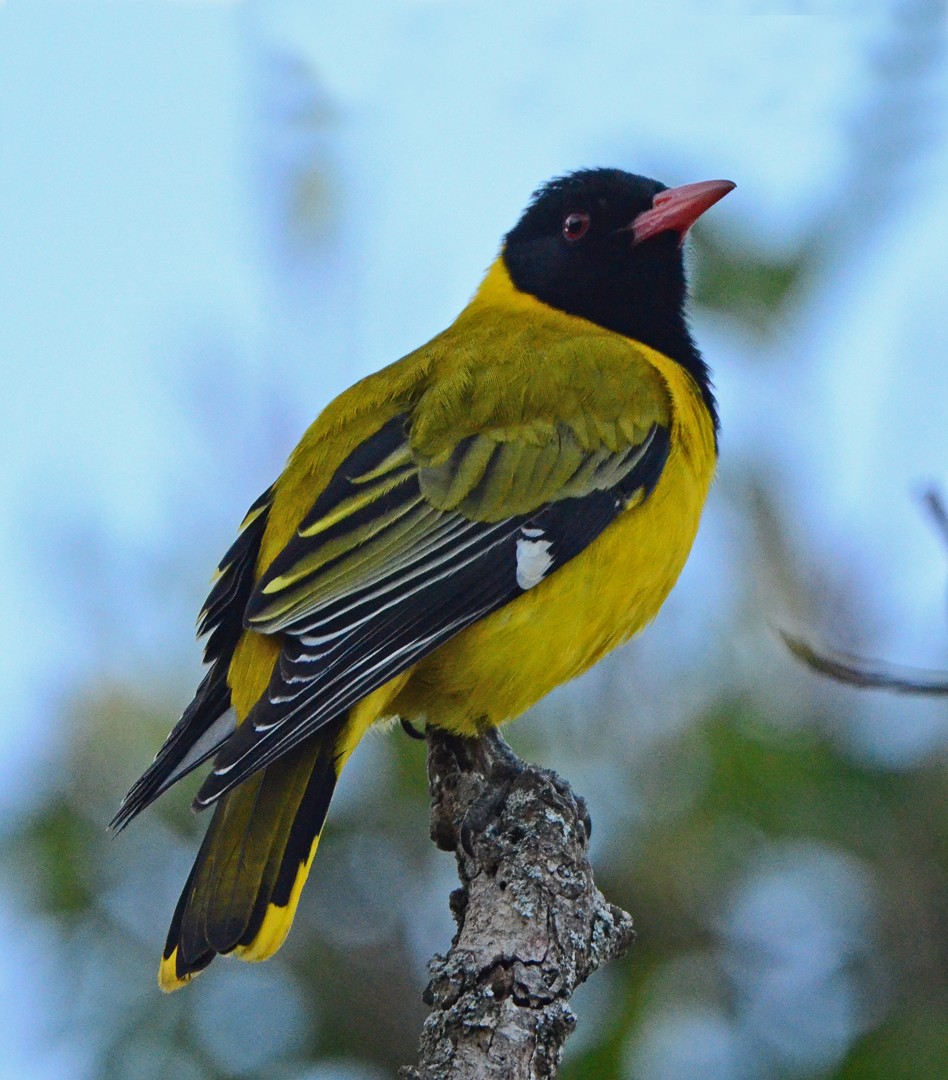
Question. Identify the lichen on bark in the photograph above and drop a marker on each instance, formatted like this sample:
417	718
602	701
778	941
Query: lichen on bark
531	924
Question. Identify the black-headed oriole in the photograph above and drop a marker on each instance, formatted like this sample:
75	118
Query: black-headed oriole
453	537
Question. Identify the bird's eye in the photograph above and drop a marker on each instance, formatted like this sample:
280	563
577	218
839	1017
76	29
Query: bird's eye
576	225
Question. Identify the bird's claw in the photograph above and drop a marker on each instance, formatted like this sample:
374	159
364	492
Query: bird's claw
410	730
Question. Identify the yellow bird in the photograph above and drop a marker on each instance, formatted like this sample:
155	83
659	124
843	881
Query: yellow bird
453	537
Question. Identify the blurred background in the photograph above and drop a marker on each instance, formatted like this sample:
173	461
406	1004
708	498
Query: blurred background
215	216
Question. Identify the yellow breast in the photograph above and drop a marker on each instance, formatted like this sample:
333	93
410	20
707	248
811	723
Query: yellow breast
499	667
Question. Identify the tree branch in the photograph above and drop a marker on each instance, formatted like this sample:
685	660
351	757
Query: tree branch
866	674
877	674
532	926
934	503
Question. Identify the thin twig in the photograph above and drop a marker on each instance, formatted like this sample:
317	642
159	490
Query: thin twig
935	505
868	674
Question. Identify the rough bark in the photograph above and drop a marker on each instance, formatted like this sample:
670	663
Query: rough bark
531	924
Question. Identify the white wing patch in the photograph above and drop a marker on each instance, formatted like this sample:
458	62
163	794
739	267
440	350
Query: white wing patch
533	559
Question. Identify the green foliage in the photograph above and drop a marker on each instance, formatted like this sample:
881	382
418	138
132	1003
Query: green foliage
58	844
757	288
909	1047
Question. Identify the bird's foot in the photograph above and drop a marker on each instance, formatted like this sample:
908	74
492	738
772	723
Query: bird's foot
410	730
501	767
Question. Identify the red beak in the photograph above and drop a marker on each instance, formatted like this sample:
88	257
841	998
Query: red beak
677	209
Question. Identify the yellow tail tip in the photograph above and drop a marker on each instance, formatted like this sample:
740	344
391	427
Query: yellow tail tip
271	935
278	918
168	978
268	939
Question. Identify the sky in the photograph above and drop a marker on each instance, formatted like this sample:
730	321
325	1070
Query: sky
145	147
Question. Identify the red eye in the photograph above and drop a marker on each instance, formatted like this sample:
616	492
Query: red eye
576	225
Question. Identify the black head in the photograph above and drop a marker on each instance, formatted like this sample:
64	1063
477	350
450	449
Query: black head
600	245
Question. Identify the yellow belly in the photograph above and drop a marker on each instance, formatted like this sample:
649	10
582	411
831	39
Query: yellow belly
499	667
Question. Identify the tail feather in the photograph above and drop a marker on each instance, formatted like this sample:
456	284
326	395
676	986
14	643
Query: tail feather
300	848
242	893
202	729
173	973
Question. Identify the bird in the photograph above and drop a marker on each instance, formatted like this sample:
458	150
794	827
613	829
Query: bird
454	536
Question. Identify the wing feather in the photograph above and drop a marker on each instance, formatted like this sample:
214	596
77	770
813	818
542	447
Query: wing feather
394	559
208	721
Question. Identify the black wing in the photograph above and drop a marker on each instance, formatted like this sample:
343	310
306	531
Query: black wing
378	576
208	721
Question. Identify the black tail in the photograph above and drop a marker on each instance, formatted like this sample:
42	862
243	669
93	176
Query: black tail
242	892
